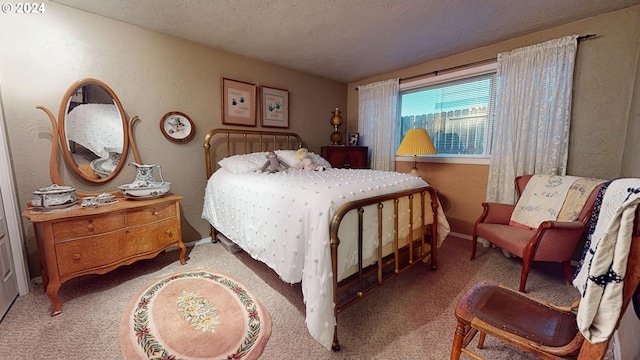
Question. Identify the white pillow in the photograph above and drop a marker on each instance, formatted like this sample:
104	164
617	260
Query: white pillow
288	157
319	160
244	163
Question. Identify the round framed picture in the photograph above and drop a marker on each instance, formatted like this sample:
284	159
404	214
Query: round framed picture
177	126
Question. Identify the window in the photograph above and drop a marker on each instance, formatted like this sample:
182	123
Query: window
456	109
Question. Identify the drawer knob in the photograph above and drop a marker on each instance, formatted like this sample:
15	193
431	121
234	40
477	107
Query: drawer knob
169	233
75	257
155	213
90	227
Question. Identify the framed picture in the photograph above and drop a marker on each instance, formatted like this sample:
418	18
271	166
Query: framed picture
177	126
353	139
238	103
274	107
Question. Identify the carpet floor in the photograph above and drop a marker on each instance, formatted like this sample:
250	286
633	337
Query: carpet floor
412	317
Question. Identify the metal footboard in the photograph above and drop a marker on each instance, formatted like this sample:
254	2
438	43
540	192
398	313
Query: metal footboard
421	245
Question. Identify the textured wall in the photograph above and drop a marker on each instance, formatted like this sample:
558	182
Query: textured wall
152	74
605	109
455	192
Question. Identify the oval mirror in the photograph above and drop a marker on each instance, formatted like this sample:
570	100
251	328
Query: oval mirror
93	130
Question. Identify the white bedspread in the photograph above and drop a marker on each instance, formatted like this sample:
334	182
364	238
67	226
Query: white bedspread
295	241
97	127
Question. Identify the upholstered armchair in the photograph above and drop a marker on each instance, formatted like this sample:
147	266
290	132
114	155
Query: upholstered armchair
553	241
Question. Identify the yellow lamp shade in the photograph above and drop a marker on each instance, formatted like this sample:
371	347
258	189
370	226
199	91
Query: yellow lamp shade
416	142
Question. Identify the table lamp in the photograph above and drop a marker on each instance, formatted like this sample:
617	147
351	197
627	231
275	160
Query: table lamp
416	142
336	121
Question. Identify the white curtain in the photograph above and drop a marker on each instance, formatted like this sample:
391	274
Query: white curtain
533	108
377	113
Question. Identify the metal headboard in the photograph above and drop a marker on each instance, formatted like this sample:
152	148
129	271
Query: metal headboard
263	140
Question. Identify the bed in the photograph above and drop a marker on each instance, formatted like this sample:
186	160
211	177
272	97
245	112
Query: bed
97	127
342	233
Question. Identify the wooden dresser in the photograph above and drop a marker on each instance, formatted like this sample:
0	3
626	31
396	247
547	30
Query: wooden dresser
354	157
79	241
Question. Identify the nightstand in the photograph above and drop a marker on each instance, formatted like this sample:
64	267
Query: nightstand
349	157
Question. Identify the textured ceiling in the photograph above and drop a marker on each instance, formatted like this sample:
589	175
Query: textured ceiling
347	40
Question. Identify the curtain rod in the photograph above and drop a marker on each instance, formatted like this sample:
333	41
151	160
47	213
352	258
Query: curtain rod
435	72
480	62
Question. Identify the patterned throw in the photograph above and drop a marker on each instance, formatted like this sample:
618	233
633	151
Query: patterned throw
577	197
541	200
194	315
602	268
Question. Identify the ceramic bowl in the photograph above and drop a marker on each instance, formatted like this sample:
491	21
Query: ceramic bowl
105	166
155	190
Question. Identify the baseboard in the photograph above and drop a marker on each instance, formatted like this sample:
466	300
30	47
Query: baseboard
193	243
202	241
460	235
226	243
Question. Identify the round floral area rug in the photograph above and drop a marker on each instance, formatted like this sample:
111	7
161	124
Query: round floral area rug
194	315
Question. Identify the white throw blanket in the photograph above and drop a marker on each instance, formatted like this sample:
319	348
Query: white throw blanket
541	200
602	269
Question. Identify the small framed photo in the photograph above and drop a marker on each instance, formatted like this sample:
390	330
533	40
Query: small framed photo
238	103
274	107
353	139
177	126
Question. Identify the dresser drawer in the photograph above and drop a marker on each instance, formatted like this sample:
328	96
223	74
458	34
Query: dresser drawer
92	253
145	239
87	226
151	214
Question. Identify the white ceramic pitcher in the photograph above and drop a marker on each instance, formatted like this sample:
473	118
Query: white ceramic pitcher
144	175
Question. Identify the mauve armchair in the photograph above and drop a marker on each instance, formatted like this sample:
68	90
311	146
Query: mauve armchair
553	241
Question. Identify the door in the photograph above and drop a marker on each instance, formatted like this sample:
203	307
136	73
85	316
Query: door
13	271
8	279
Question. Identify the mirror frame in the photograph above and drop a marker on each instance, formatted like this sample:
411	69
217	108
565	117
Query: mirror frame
64	105
58	134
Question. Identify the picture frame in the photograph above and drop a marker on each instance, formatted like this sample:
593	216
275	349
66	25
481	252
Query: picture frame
238	103
274	109
177	126
353	139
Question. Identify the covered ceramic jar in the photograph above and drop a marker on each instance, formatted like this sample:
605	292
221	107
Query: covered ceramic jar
54	196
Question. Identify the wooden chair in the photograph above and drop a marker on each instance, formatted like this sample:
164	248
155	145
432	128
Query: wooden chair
548	331
553	241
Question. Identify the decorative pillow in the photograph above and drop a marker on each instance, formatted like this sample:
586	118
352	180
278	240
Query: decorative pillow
243	163
291	159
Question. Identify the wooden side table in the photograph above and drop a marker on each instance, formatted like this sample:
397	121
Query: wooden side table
349	157
79	241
